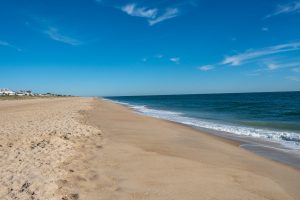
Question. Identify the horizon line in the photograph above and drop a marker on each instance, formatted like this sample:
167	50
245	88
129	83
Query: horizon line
196	94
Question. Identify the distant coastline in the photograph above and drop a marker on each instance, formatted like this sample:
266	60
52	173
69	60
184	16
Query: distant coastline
10	94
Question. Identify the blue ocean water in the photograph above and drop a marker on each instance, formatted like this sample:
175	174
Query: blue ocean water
272	116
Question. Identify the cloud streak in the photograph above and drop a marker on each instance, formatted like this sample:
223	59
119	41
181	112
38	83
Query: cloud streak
168	14
293	78
133	10
175	60
152	15
46	27
206	68
6	44
293	7
54	34
273	66
251	55
259	56
296	69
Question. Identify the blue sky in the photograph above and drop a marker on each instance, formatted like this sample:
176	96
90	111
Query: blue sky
131	47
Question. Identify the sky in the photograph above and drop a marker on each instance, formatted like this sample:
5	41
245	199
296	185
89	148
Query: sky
147	47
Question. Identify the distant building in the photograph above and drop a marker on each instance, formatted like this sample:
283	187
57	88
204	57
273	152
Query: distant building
24	93
6	92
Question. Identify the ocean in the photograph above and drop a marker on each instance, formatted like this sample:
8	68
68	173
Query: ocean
271	117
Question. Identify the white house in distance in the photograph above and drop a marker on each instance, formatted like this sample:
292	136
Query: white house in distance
6	92
24	93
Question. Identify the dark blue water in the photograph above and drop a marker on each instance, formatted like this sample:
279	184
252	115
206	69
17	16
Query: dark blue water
272	116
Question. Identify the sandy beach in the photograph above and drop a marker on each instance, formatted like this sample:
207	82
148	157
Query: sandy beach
84	148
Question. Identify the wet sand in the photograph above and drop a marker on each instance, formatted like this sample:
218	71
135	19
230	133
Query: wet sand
266	148
82	148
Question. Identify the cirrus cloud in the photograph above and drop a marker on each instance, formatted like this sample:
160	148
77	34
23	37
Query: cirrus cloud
168	14
206	68
273	66
134	10
251	55
293	78
46	27
175	60
153	15
54	34
6	44
296	69
258	57
293	7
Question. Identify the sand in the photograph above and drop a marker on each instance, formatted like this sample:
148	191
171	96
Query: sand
83	148
37	140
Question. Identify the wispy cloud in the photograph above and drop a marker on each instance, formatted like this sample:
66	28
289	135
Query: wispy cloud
153	15
54	34
159	56
6	44
50	30
274	66
206	68
133	10
153	12
293	7
293	78
168	14
260	57
265	29
175	60
296	69
251	55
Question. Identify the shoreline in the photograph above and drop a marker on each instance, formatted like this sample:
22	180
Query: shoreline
268	149
170	140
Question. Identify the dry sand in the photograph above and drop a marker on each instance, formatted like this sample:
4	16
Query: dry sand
80	148
38	138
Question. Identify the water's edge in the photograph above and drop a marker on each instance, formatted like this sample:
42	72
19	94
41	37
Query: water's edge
267	149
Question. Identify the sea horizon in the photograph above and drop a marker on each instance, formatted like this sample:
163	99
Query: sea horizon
141	95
